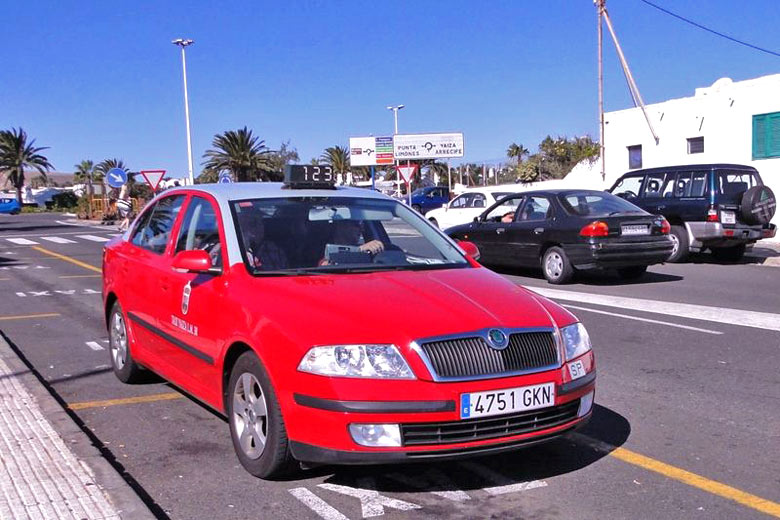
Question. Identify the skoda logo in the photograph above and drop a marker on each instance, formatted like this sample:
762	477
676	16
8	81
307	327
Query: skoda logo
497	339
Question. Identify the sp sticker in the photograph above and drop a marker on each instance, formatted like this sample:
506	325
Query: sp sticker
185	298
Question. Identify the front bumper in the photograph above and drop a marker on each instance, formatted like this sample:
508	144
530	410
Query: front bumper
329	442
614	253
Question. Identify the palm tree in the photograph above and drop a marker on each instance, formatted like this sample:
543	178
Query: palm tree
337	157
240	153
85	172
16	154
517	152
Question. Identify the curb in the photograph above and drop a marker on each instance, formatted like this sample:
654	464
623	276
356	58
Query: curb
121	494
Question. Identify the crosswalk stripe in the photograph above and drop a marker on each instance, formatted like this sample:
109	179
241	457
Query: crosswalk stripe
94	345
94	238
59	240
22	241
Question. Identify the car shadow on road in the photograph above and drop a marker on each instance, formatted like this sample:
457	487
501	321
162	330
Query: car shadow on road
566	454
758	256
591	277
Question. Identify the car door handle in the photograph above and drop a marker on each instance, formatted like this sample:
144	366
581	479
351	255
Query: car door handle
539	230
661	207
500	230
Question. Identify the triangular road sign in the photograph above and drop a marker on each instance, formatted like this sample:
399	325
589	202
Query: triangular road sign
153	177
407	172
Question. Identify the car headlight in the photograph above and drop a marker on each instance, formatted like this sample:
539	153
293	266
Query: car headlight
575	340
370	361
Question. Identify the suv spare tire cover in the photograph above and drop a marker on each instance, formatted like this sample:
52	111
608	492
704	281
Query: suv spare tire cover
758	205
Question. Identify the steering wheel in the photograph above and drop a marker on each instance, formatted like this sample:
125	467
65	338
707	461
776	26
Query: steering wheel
628	193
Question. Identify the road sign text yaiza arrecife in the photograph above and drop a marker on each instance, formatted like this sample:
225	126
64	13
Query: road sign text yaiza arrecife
427	146
370	151
116	177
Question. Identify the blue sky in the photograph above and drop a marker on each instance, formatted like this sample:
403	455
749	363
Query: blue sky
101	79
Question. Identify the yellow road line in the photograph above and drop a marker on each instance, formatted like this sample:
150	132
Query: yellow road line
29	316
68	259
127	400
82	276
686	477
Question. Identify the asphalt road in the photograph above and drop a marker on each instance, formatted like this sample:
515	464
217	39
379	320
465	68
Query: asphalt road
687	423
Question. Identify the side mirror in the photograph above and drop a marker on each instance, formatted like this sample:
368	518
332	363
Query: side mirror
195	261
470	248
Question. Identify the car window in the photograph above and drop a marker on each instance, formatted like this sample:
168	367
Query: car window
653	184
462	201
736	182
505	209
154	230
200	230
535	208
698	185
478	201
629	186
590	204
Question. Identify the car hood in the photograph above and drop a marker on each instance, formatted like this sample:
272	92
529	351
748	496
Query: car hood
392	306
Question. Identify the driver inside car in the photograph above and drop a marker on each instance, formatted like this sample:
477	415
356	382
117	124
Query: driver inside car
347	233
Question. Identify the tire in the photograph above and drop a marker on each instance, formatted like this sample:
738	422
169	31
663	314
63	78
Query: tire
245	414
633	272
417	208
729	254
758	205
679	236
125	367
434	222
556	266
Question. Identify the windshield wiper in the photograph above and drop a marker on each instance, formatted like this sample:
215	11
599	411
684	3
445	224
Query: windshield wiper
286	272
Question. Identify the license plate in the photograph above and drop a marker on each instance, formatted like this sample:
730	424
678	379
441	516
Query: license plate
635	229
577	370
727	217
508	400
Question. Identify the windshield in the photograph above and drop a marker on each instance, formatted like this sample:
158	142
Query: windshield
338	234
589	204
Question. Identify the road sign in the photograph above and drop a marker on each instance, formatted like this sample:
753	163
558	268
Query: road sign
407	171
370	151
225	178
153	177
116	177
427	146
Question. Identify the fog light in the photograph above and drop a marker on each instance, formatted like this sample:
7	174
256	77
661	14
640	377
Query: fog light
586	403
374	435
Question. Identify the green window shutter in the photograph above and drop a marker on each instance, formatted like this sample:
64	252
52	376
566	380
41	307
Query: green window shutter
773	135
759	137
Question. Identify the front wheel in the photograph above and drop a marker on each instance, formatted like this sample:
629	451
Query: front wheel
417	208
556	266
125	367
633	272
256	424
434	222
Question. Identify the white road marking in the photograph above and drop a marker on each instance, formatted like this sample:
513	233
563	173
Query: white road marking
23	267
59	240
66	292
371	502
94	238
94	345
755	319
504	484
316	504
438	478
648	320
22	241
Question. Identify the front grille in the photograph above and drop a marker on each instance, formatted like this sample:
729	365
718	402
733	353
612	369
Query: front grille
470	357
489	427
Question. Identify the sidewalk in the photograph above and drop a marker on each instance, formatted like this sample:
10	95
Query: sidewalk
767	252
52	474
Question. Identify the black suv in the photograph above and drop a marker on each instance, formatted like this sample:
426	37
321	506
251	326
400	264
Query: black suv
720	207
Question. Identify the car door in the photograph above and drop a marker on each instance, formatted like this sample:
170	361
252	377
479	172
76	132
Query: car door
530	229
454	214
490	232
655	187
629	187
190	320
144	263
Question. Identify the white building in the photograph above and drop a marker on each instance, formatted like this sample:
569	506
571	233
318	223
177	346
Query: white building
728	122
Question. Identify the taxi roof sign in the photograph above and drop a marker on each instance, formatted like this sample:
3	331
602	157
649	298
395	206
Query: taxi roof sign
307	176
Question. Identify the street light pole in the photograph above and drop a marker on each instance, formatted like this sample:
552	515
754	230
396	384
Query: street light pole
185	43
395	110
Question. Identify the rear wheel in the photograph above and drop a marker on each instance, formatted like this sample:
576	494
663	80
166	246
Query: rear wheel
556	266
633	272
256	424
417	208
729	254
679	236
125	367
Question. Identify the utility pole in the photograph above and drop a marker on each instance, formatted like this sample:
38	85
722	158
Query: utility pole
183	44
600	8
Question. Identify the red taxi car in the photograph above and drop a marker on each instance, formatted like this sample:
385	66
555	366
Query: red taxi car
336	325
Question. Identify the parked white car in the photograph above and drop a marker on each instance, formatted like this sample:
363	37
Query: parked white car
467	205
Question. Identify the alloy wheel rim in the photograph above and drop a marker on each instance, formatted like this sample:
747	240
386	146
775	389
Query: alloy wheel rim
118	341
250	415
675	244
554	265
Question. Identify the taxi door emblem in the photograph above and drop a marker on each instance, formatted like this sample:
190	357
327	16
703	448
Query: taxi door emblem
185	298
497	339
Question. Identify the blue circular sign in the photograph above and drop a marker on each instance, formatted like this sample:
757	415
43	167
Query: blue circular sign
116	177
224	178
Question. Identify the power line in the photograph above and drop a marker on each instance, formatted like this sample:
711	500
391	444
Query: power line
735	40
